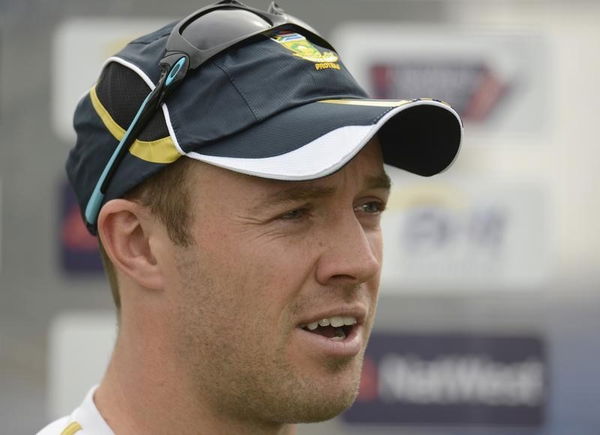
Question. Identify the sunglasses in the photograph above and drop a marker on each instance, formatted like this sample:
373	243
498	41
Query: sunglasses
193	41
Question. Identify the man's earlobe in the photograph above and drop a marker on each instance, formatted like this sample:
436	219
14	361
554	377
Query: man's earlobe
125	228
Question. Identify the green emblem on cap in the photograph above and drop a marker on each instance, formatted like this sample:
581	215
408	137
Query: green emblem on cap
303	48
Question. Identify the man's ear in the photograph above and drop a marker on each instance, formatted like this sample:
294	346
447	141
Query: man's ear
125	228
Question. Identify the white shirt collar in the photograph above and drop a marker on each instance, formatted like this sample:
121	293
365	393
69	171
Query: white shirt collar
90	419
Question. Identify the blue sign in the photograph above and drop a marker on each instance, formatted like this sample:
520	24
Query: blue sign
452	379
79	249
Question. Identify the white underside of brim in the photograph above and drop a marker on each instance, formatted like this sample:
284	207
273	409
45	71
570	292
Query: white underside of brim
319	158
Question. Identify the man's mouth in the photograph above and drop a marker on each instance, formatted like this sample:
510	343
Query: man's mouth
335	328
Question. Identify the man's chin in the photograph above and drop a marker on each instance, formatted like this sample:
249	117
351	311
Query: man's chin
323	408
326	397
331	392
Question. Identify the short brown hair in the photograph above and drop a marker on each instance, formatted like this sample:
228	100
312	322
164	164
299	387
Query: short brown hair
166	194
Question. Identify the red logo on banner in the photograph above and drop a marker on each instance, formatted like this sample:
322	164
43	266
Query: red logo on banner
369	381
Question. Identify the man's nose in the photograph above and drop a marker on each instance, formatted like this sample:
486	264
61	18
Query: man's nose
351	254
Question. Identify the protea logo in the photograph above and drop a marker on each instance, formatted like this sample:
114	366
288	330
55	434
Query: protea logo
303	48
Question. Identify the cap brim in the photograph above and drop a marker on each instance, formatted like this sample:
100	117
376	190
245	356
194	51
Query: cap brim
316	139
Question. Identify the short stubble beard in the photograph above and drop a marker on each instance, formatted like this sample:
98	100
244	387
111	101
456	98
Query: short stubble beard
226	373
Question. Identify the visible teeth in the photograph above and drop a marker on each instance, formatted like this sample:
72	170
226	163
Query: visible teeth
337	338
336	322
349	321
312	326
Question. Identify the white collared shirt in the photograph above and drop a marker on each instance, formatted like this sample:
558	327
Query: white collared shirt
84	420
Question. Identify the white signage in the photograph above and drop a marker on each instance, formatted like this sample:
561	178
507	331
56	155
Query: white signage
467	235
79	349
497	80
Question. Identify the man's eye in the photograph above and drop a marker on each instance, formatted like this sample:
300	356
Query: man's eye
371	207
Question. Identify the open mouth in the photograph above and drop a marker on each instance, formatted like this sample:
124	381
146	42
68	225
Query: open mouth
334	328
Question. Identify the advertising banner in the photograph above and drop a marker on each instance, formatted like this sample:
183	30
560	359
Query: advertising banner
81	46
497	80
78	248
432	379
465	235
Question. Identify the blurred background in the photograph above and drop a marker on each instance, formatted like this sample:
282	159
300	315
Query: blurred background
489	315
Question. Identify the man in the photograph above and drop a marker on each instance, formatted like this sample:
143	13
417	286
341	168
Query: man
238	209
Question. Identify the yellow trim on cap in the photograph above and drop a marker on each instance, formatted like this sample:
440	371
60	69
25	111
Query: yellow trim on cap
379	103
71	429
371	103
157	151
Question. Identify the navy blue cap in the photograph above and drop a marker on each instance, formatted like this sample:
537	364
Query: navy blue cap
279	106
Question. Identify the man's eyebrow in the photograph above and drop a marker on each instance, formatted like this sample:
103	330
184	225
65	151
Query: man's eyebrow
304	193
296	193
380	181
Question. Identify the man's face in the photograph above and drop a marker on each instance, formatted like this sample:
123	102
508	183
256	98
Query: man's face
268	260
